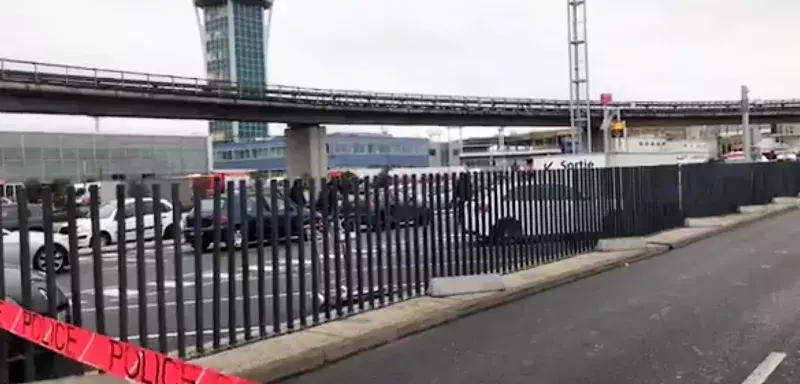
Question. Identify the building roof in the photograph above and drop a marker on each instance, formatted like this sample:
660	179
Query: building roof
208	3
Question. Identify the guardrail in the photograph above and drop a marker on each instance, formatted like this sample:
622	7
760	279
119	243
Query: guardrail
264	264
109	79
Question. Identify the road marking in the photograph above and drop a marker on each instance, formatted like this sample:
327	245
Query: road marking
762	372
192	302
114	292
170	284
130	258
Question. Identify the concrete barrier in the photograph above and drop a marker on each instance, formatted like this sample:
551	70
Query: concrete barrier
279	357
462	285
747	209
703	222
786	200
620	244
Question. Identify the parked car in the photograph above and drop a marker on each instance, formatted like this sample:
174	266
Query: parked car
108	218
44	360
37	252
555	213
300	219
397	210
409	208
35	216
353	214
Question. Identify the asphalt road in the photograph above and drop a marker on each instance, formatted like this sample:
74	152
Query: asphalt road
724	310
281	284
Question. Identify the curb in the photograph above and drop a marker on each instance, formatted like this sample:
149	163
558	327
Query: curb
509	296
780	210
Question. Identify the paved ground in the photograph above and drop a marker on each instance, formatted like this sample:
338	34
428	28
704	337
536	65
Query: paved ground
724	310
290	268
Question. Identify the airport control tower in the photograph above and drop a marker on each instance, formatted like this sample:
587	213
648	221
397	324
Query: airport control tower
235	34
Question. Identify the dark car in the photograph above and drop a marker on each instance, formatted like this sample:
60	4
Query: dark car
408	207
380	208
47	363
355	210
299	221
35	216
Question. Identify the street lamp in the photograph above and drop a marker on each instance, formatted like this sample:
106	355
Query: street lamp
747	134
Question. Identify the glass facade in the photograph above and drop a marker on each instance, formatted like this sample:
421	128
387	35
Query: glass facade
235	50
79	157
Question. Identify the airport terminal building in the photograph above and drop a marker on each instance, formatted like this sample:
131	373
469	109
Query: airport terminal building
96	156
345	150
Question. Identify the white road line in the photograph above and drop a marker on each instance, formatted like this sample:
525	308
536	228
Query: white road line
192	302
762	372
129	259
193	333
207	276
113	292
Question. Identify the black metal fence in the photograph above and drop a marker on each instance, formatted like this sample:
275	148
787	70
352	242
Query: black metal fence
717	189
254	261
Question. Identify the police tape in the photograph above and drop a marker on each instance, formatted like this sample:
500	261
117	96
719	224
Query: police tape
123	360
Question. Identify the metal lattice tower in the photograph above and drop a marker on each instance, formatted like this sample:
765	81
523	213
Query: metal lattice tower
579	101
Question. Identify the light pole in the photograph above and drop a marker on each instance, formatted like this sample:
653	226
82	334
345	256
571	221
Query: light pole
501	144
747	134
579	95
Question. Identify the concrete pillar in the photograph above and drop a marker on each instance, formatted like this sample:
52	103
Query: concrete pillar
306	151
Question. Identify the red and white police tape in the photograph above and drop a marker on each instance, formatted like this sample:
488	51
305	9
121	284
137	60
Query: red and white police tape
123	360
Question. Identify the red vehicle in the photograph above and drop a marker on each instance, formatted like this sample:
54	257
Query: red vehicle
204	184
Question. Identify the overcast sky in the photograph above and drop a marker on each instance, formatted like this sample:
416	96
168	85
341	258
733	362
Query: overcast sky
656	50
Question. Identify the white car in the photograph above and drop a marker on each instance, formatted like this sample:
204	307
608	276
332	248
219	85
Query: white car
108	220
36	246
549	210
